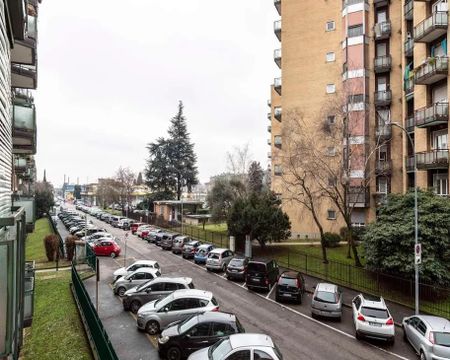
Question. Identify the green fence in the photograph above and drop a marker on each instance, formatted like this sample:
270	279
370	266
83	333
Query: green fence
98	338
91	258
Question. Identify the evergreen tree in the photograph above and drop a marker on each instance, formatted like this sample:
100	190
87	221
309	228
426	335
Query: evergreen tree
255	178
44	198
159	174
139	180
76	192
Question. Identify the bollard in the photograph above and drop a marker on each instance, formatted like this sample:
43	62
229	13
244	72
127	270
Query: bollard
248	246
232	243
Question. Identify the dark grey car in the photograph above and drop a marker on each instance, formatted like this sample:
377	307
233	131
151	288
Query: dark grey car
155	289
167	241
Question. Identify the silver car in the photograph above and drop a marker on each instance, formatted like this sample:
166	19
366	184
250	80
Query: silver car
218	259
327	301
136	278
156	315
178	243
428	335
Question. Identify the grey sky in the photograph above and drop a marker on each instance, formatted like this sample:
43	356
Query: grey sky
111	74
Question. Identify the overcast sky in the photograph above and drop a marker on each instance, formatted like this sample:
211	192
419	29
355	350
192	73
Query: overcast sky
111	74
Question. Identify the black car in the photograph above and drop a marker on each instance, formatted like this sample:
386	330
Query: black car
261	274
290	286
237	268
181	339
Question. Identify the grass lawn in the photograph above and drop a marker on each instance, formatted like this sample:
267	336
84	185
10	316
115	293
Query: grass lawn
57	331
113	212
220	228
35	250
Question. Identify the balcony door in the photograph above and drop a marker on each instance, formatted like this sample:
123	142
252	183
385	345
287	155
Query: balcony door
439	139
439	94
381	83
382	185
381	16
440	5
381	49
383	117
440	184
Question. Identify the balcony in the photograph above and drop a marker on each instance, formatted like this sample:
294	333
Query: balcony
277	29
277	140
346	3
409	10
382	30
269	155
277	4
277	113
20	165
269	129
28	301
383	132
382	98
277	85
434	115
431	28
269	116
383	167
358	197
409	88
28	203
269	103
410	123
23	76
24	129
382	64
269	142
408	46
277	170
277	57
380	3
431	71
434	159
409	163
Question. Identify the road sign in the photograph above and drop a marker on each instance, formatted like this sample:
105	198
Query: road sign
418	254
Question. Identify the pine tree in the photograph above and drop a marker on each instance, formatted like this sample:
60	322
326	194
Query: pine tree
139	180
255	178
158	174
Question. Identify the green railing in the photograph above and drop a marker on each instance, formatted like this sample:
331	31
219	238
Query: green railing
91	258
98	338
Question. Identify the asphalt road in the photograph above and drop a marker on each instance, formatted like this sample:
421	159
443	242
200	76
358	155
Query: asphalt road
290	326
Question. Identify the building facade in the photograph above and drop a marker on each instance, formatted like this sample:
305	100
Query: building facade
386	63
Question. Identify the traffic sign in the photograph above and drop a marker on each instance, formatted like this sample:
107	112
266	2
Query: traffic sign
418	254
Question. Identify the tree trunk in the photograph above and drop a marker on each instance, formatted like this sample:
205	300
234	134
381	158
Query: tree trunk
324	248
352	245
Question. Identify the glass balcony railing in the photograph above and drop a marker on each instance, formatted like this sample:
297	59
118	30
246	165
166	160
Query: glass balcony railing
277	57
409	9
382	98
431	28
410	124
277	111
358	197
32	27
269	129
277	29
434	159
278	170
383	167
382	63
277	85
431	71
277	140
384	131
382	30
409	163
409	88
277	4
24	129
434	115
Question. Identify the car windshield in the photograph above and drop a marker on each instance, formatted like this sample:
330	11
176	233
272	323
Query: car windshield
256	267
442	338
237	262
187	324
220	349
325	296
375	313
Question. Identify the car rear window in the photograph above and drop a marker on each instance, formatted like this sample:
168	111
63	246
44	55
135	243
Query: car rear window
288	281
325	296
256	267
214	256
237	262
442	338
375	313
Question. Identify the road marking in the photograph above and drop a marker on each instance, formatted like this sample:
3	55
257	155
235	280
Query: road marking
270	292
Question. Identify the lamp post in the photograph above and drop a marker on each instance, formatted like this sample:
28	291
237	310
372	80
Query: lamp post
416	221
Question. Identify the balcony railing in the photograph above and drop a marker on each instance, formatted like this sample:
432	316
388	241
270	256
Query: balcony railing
382	64
382	30
277	111
383	167
269	142
277	57
277	140
382	98
346	3
269	155
277	4
358	197
32	27
278	170
24	77
409	46
384	131
269	116
269	103
433	115
277	29
410	123
409	10
409	163
24	129
431	71
434	159
269	129
277	85
431	28
409	88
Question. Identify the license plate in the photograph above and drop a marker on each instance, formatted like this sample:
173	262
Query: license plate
287	295
256	279
374	324
233	270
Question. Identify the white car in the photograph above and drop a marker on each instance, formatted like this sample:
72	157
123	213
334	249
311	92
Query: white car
372	318
141	228
123	271
96	236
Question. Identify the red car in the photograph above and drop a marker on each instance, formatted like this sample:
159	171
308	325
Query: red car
106	248
134	226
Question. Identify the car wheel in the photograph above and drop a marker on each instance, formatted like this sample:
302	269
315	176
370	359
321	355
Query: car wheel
135	306
299	300
113	255
224	267
121	291
174	353
404	335
357	335
422	355
152	327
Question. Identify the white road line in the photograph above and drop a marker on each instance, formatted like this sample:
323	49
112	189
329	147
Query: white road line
270	292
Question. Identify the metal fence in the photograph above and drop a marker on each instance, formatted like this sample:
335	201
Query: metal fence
91	258
98	338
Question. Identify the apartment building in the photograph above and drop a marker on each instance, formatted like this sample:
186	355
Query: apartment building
18	75
388	60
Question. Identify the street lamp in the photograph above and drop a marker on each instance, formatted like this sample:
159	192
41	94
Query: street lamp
416	221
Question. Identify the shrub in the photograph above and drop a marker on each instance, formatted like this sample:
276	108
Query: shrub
70	246
51	244
331	239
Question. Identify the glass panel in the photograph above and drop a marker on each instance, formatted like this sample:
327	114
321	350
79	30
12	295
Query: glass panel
32	27
3	294
23	117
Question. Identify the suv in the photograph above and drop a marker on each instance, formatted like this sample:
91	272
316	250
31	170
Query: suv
261	274
197	332
178	243
152	290
136	278
218	259
290	286
327	301
156	315
372	318
237	268
167	241
190	248
428	335
123	271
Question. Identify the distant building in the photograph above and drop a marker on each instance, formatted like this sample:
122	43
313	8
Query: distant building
170	210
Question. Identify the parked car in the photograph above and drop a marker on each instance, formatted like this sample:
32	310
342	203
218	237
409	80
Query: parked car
136	278
428	335
240	347
96	236
327	301
196	332
218	259
106	247
202	253
141	228
114	221
134	226
372	318
290	286
261	274
124	224
156	315
151	236
158	288
190	248
124	271
167	241
178	243
237	268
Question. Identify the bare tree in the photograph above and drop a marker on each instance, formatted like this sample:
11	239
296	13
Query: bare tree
125	179
108	192
239	159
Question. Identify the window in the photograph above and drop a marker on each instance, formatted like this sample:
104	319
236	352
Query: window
357	302
331	151
331	119
200	330
141	276
421	328
179	304
330	26
203	303
331	215
171	287
261	355
157	287
331	88
382	185
355	30
440	184
332	181
440	139
240	355
148	276
355	98
221	329
381	16
192	303
331	56
381	49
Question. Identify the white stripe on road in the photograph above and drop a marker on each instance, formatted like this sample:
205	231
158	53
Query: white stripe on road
270	292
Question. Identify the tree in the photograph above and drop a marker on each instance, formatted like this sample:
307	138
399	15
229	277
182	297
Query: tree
108	192
255	178
139	180
260	217
148	203
158	173
77	192
125	179
389	242
44	198
238	160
